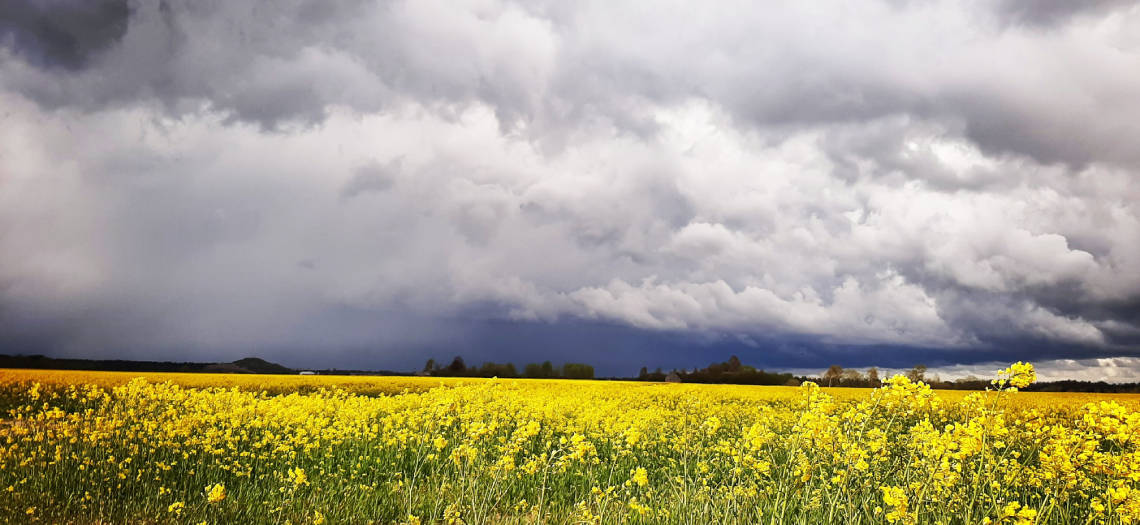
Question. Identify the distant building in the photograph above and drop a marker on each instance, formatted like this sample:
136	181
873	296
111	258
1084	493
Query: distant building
308	373
672	378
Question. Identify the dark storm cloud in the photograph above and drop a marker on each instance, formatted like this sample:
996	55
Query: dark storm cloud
64	34
551	70
954	177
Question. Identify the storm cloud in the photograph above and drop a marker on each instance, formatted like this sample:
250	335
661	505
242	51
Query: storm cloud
388	179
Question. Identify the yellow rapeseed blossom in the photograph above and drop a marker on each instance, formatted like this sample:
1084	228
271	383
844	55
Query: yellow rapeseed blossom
215	493
640	477
297	477
1018	375
896	499
430	450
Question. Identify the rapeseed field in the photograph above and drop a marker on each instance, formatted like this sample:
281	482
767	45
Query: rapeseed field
86	447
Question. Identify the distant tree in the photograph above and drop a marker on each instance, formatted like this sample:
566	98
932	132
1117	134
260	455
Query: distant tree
733	364
644	373
510	371
577	371
489	369
539	371
873	376
833	373
852	377
916	374
457	366
430	365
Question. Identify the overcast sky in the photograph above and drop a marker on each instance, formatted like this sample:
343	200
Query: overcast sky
367	184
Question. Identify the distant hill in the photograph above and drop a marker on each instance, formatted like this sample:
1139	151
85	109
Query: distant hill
248	365
258	365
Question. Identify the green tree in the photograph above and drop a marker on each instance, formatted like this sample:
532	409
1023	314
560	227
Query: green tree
577	371
457	366
734	364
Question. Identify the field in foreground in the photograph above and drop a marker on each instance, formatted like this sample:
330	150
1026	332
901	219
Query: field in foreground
86	447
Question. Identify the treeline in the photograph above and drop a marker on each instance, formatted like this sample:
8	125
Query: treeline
731	372
850	377
544	370
1070	385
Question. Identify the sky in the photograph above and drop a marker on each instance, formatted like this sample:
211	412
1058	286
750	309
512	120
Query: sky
366	184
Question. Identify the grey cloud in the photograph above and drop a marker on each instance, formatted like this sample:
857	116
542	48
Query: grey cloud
1053	12
554	72
65	34
371	177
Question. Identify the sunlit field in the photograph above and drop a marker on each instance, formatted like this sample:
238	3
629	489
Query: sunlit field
99	447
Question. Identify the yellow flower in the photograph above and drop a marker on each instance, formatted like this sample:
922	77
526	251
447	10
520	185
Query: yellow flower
1018	375
297	477
451	515
639	507
640	477
896	497
1014	513
318	518
215	493
176	508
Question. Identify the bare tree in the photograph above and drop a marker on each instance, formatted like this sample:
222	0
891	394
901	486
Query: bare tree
833	373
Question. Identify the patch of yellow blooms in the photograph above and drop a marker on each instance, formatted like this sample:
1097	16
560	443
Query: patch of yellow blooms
171	448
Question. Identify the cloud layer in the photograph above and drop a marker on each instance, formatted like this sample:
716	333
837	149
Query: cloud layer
218	176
